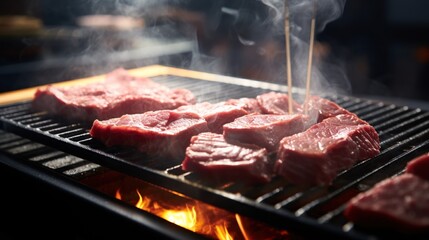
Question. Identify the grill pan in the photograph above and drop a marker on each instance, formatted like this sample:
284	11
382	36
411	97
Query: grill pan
315	211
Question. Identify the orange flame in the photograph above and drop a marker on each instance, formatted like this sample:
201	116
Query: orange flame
195	217
186	218
143	203
222	232
118	195
241	226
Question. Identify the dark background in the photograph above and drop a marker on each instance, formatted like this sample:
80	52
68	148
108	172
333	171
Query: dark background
382	46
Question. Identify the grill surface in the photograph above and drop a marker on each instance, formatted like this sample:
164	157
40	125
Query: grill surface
403	131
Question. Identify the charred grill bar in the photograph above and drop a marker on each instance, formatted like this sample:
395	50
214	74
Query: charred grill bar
64	155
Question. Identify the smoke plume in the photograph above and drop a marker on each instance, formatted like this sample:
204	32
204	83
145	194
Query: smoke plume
328	75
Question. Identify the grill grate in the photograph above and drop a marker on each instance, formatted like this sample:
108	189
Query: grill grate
403	131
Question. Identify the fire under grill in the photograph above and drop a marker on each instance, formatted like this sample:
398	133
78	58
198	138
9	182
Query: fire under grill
67	151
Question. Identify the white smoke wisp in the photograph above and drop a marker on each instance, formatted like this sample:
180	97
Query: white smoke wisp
328	75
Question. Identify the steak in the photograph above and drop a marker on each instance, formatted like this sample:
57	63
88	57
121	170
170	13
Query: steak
419	166
276	103
211	156
164	133
318	154
251	105
319	108
119	94
265	130
398	203
216	114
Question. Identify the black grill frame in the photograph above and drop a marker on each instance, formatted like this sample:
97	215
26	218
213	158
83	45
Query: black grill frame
404	134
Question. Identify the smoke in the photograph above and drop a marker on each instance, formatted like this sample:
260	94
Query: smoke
226	25
328	73
246	25
301	12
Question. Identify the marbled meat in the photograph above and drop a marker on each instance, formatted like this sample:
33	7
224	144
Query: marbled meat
319	108
251	105
164	133
265	130
119	94
276	103
399	204
318	154
211	156
216	114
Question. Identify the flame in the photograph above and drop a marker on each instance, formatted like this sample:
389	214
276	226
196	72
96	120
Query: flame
195	216
142	203
241	226
118	195
186	218
222	232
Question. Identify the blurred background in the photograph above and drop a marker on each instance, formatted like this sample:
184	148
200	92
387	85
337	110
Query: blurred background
376	48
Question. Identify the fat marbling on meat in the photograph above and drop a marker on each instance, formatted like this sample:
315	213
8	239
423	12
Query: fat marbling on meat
164	133
398	203
265	130
317	155
120	93
212	157
216	114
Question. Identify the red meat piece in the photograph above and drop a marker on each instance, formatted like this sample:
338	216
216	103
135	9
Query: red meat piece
319	108
211	156
265	130
216	114
120	93
165	133
399	203
318	154
276	103
251	105
419	166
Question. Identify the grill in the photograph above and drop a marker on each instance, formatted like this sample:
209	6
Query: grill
64	153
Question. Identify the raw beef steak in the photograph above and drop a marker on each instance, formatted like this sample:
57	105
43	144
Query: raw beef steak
318	154
211	156
276	103
399	203
419	166
164	133
119	94
265	130
251	105
319	108
216	114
